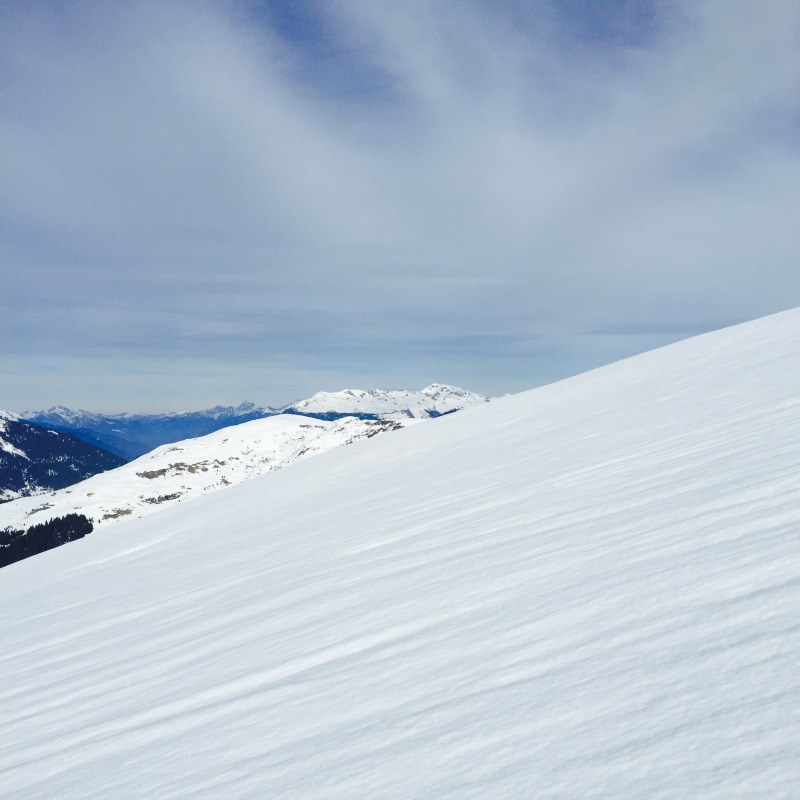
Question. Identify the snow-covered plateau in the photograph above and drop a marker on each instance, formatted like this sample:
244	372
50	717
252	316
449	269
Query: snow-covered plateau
588	590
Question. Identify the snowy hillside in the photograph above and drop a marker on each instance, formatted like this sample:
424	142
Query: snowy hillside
178	472
34	459
432	401
589	590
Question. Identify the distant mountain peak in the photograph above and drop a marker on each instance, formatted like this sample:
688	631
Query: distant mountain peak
432	401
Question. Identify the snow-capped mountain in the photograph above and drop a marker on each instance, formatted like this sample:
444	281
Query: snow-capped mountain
178	472
34	459
132	435
589	590
432	401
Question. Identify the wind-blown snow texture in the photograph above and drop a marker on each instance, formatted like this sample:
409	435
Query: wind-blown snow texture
590	590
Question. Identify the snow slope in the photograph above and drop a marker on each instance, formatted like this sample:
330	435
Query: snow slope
178	472
589	590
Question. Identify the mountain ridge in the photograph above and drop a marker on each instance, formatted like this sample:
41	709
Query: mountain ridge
131	435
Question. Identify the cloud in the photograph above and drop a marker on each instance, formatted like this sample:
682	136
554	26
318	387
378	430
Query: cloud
384	185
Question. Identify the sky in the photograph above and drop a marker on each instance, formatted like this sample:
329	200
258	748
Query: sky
224	200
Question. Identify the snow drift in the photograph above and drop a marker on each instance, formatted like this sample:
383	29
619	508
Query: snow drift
586	590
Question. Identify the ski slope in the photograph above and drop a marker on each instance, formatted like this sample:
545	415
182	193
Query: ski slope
589	590
175	473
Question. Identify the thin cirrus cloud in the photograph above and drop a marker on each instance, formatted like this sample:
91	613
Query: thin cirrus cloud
242	199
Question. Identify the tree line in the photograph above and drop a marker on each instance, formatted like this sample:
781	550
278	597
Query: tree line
18	544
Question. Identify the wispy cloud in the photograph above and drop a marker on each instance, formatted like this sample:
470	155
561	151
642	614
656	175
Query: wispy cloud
459	191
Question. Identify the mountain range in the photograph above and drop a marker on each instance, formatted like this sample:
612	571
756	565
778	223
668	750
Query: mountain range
132	435
587	590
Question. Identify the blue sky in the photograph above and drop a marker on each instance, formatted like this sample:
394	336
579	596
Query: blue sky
207	202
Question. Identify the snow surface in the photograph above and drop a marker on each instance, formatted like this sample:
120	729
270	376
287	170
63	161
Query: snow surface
589	590
391	404
174	473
